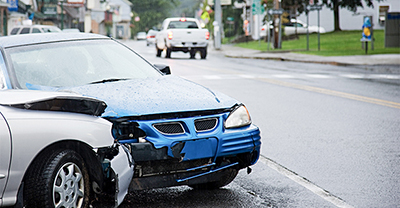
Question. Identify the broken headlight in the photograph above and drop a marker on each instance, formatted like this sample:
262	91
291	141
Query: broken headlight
238	117
128	132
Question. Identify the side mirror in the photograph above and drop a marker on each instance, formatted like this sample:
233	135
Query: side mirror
163	68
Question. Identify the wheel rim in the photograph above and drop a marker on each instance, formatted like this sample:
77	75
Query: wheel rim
68	188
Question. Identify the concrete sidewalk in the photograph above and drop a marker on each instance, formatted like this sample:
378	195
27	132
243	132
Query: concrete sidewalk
391	62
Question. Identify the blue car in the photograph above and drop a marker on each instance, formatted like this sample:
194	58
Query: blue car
177	132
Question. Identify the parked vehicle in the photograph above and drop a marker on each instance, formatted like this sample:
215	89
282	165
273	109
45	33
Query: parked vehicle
151	37
298	27
71	30
177	132
294	27
182	34
54	148
26	29
141	36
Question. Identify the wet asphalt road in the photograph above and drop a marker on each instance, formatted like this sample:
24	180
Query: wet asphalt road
330	134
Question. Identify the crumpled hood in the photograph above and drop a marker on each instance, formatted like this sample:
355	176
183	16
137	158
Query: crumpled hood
153	96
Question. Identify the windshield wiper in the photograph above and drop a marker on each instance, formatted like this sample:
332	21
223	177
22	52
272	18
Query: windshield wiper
107	80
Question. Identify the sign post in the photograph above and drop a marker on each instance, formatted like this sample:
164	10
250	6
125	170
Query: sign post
367	33
312	7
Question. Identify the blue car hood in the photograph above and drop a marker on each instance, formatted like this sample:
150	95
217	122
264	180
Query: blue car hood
153	96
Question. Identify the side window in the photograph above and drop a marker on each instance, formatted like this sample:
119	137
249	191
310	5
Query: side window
25	30
14	31
3	73
35	30
2	80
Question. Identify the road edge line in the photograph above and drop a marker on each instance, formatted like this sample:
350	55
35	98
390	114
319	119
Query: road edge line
305	183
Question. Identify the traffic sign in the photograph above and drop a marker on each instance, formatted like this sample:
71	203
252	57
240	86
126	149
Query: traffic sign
315	7
257	8
275	11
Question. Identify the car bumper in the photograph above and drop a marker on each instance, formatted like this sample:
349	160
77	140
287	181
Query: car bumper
193	157
186	45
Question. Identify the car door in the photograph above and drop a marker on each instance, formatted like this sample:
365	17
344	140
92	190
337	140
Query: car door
5	154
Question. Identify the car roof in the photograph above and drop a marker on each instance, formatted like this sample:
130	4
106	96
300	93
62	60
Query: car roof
179	18
35	26
26	39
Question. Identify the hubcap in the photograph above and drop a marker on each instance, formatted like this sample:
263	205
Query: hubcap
68	188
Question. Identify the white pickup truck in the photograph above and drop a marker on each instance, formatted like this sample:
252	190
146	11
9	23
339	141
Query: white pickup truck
182	34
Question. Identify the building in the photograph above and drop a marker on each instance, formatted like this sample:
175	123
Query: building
106	17
353	21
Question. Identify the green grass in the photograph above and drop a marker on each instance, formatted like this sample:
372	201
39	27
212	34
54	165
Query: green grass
343	43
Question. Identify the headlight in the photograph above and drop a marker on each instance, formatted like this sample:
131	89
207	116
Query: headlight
238	118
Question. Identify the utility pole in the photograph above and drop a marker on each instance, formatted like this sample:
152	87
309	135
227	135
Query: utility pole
217	24
277	24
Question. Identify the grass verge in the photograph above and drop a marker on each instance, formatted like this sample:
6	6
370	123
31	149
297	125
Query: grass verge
343	43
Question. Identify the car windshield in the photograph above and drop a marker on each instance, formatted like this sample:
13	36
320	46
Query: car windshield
76	63
182	25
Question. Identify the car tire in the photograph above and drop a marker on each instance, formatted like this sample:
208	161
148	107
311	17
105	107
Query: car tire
203	53
168	53
60	179
159	51
192	54
224	180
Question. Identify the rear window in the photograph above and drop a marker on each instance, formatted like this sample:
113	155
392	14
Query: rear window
25	30
182	25
14	31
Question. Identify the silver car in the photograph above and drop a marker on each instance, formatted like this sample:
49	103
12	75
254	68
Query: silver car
27	29
56	152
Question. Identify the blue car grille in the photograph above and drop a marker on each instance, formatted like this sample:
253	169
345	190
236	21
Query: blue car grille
175	128
205	124
170	128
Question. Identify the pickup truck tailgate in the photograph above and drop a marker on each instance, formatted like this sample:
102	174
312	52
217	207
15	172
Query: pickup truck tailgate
188	35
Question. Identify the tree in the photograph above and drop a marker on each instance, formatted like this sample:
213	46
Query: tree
351	5
334	5
151	13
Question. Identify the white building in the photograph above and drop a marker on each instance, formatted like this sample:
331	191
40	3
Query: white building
350	20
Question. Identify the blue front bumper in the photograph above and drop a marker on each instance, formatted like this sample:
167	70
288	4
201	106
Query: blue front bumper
192	144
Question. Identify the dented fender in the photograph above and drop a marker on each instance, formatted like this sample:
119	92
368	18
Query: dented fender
122	166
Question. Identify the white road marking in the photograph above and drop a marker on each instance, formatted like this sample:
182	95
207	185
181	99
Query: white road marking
319	76
247	76
283	76
293	76
305	183
353	76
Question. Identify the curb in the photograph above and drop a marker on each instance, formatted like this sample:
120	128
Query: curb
293	60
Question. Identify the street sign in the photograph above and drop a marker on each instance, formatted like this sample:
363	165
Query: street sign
257	8
314	7
223	2
275	11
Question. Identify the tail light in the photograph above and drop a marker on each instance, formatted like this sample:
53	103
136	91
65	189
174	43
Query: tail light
207	35
182	19
170	35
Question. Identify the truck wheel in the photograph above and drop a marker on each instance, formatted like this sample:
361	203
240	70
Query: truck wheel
192	54
203	53
158	52
58	180
225	180
168	54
